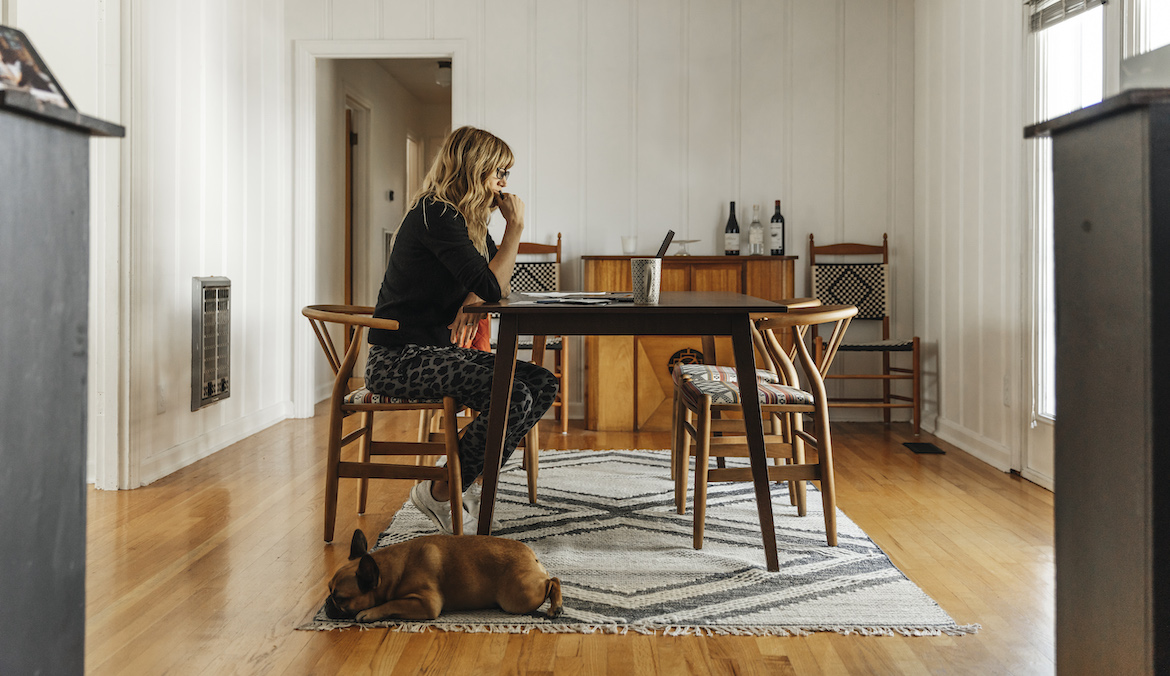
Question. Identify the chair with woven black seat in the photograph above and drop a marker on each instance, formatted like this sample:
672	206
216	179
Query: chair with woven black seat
543	276
782	404
349	396
866	285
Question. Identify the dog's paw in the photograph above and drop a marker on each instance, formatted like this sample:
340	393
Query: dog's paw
366	616
554	611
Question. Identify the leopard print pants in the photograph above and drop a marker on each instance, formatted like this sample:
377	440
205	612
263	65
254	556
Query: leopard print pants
433	372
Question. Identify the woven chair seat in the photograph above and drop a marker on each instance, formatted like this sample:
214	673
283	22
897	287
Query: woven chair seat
525	343
723	392
878	346
719	373
364	396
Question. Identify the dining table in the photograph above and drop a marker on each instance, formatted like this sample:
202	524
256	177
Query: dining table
694	313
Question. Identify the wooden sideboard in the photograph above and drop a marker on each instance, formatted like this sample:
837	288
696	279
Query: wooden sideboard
628	384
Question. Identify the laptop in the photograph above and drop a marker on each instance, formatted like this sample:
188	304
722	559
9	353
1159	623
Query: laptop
665	244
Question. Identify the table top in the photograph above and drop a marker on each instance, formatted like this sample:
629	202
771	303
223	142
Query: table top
670	302
692	259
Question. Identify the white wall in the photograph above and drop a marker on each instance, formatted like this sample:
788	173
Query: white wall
79	41
210	173
200	186
970	222
632	117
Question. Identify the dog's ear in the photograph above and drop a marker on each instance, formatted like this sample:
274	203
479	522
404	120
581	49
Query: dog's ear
368	574
358	546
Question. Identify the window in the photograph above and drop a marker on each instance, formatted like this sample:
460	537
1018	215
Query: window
1151	25
1068	64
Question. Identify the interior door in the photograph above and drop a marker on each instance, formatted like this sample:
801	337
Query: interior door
349	141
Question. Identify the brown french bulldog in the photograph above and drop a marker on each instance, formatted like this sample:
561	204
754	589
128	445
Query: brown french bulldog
419	578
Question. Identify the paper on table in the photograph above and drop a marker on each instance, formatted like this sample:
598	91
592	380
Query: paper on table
561	294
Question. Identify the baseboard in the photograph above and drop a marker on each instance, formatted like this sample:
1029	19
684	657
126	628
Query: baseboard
1039	478
988	450
177	457
323	392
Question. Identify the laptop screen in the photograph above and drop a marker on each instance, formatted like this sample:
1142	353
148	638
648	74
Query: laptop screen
665	244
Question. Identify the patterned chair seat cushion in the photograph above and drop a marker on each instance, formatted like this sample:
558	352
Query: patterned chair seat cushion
878	346
364	396
723	392
720	373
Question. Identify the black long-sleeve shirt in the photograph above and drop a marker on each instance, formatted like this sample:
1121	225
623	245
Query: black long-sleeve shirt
433	267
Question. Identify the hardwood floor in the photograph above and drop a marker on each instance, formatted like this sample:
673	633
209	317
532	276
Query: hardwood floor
209	570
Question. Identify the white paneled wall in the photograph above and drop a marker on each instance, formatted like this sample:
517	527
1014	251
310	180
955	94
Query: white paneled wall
638	116
79	41
970	221
210	175
200	186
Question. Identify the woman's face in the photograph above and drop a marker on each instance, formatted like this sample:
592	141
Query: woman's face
498	180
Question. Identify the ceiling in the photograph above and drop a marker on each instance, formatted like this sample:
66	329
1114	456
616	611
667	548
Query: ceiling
417	76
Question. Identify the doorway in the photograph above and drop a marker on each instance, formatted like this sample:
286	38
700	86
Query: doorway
376	202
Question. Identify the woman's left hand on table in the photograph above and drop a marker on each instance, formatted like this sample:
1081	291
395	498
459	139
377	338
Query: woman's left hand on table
465	324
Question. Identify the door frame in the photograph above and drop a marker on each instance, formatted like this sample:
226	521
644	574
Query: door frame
306	53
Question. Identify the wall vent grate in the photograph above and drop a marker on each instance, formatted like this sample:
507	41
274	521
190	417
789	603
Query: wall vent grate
211	341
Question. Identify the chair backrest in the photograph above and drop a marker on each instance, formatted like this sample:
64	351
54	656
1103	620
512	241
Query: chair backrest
544	275
351	320
863	284
758	338
797	320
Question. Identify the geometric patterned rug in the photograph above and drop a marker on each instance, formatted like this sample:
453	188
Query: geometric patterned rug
606	526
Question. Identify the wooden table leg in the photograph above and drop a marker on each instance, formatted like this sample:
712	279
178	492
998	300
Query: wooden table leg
498	419
745	366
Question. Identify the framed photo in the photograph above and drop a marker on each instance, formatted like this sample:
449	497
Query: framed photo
21	69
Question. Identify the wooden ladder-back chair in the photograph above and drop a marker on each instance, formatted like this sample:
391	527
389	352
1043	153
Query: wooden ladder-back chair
544	276
349	396
867	285
782	404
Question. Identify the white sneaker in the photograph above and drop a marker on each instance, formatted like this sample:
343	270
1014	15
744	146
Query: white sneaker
439	512
471	500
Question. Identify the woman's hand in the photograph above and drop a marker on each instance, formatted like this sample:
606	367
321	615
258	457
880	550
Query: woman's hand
511	208
465	324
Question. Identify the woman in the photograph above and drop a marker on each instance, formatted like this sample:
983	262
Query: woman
443	258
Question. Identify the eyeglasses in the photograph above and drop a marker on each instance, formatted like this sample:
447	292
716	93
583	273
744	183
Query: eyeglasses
503	174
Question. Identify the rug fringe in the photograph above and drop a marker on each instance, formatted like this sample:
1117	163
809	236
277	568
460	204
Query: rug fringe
664	630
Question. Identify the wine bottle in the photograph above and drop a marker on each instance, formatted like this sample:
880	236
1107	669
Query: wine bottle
755	233
731	234
777	227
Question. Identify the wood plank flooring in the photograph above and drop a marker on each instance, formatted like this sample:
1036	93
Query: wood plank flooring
209	570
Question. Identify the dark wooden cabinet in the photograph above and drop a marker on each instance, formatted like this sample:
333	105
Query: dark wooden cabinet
628	385
1111	190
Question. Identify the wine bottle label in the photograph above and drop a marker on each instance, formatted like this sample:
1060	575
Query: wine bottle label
777	245
731	241
756	236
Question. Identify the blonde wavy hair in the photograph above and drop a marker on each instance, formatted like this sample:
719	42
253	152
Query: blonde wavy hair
459	178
